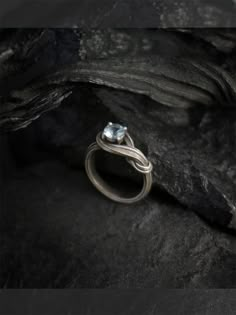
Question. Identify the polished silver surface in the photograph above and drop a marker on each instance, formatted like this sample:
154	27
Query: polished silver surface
122	146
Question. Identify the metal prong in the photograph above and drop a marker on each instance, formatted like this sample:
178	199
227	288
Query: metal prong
127	150
125	128
120	140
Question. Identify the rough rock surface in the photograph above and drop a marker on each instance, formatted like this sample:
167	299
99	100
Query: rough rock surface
58	231
176	92
188	115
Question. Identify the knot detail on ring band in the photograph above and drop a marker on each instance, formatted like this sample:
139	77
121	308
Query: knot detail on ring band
115	140
133	155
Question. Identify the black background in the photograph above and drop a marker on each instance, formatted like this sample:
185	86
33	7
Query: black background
118	13
119	302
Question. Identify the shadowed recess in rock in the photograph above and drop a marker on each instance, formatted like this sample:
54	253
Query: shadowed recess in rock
178	87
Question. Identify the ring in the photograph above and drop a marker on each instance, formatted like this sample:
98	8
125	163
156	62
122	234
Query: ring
115	139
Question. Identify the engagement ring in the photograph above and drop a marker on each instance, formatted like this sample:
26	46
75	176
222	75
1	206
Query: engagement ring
115	139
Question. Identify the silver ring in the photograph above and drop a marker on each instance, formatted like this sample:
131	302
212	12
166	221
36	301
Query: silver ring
115	139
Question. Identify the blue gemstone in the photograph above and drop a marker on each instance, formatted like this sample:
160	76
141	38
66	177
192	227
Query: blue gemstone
114	132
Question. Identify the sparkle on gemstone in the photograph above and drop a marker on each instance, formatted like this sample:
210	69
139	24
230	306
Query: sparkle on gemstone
114	132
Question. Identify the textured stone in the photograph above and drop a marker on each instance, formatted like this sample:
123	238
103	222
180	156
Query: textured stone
192	161
58	231
189	123
177	97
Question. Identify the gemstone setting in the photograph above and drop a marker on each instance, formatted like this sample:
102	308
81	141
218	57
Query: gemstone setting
114	133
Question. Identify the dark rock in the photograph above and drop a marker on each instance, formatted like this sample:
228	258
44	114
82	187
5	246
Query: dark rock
178	102
176	69
58	231
27	54
193	154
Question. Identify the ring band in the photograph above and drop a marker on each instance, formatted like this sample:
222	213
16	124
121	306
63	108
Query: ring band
116	140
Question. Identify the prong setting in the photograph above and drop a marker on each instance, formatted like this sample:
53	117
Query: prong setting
112	141
114	133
